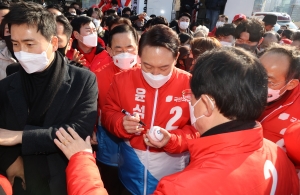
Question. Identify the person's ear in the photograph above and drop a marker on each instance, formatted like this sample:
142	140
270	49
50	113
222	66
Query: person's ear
69	45
292	84
76	34
54	42
209	105
110	51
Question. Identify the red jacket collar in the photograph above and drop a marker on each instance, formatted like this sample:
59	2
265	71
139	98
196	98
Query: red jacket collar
226	143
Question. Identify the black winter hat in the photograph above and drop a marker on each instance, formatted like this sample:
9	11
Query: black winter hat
270	19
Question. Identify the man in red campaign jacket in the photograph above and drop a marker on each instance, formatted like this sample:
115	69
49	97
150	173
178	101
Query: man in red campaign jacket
153	94
123	47
86	42
231	156
282	65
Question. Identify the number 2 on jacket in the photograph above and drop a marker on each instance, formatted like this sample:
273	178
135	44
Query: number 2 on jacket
177	110
269	167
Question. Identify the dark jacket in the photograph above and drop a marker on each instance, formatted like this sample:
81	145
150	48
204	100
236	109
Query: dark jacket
74	105
215	4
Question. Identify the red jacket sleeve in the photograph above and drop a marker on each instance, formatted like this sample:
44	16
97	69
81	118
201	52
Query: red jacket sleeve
5	185
178	142
126	3
101	3
83	176
112	117
291	141
106	7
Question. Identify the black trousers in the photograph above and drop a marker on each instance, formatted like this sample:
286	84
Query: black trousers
110	178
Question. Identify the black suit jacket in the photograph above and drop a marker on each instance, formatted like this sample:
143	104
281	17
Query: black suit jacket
74	105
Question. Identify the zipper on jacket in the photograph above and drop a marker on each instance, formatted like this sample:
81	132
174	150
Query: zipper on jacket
147	151
275	111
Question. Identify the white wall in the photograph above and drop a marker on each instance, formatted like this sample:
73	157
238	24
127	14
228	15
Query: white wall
160	8
234	7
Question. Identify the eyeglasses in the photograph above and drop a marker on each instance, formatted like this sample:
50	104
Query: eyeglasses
187	94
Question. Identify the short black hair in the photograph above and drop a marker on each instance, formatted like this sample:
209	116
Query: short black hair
294	58
70	7
34	15
124	28
159	20
173	23
245	94
160	36
225	30
126	9
184	14
253	26
287	33
67	26
111	12
55	6
296	36
69	16
185	38
74	3
4	5
80	21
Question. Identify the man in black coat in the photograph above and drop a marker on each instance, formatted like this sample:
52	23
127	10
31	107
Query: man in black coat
44	95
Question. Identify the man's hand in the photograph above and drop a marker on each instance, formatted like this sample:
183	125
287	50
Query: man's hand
157	144
131	124
16	170
142	16
94	139
10	138
70	145
77	57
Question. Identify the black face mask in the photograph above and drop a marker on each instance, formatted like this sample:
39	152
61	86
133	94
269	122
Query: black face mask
9	44
63	50
247	47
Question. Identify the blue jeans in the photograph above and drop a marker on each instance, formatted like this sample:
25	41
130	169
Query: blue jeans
213	16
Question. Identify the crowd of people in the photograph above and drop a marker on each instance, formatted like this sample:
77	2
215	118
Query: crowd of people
81	92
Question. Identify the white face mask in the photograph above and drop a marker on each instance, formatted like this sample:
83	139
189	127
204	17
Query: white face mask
226	44
219	23
96	22
274	94
184	25
90	40
125	61
192	112
32	62
156	81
